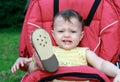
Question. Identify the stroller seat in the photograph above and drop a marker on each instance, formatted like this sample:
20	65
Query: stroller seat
102	31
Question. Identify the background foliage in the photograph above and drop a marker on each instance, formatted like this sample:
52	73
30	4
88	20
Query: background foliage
11	13
11	20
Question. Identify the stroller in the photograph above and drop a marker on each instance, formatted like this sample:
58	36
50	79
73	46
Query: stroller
102	31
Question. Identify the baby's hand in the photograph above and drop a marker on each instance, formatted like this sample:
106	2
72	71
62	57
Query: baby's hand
21	61
117	78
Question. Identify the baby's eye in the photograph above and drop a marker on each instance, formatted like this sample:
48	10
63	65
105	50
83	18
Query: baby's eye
73	31
60	31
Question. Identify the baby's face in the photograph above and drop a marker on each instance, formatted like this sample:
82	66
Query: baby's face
67	34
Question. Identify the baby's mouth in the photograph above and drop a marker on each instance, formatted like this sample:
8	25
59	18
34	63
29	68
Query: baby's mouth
67	41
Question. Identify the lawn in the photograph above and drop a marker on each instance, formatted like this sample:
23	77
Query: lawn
9	43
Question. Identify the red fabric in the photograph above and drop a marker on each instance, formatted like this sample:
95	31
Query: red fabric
37	75
101	36
40	12
116	3
107	32
105	25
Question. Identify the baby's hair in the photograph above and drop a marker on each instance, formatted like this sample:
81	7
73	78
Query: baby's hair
68	14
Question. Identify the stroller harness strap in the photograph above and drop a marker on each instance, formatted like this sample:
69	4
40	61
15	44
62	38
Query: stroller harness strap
92	12
90	15
56	7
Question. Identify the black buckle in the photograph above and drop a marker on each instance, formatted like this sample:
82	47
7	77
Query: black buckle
117	64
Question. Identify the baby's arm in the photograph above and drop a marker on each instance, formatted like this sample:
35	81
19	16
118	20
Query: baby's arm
103	65
26	64
21	62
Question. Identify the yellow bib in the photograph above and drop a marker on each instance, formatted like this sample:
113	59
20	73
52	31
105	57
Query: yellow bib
73	57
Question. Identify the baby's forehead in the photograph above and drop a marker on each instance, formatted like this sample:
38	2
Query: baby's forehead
61	18
58	18
73	22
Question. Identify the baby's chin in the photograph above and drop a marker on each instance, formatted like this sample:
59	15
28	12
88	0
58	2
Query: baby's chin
68	48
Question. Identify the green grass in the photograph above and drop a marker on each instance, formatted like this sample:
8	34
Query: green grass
9	43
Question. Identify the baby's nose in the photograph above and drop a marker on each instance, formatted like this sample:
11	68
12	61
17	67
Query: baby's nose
66	34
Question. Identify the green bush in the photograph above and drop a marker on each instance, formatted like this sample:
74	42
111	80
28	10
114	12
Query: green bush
12	13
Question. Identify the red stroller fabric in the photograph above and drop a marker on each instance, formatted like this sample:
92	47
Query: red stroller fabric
70	73
101	36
